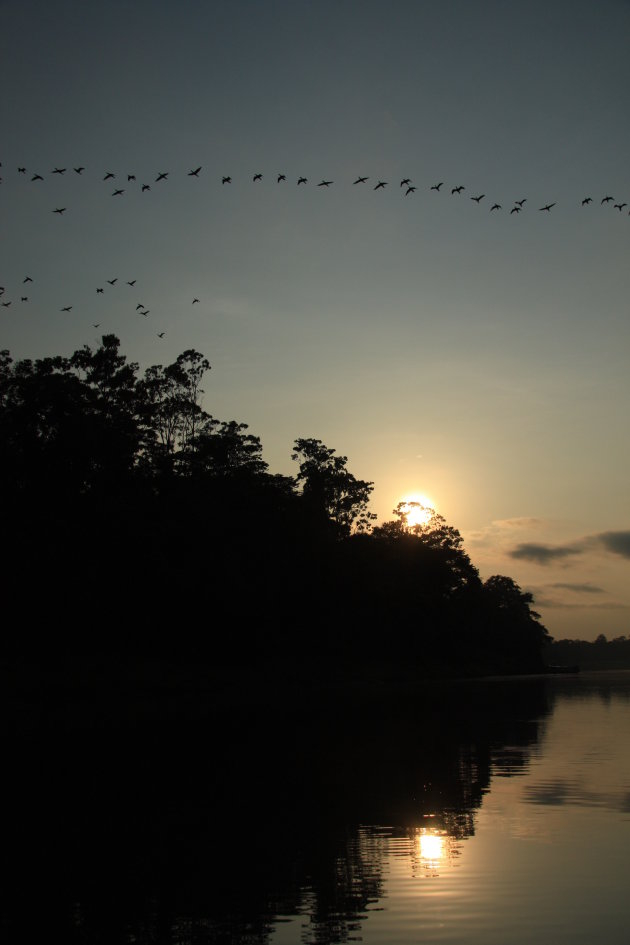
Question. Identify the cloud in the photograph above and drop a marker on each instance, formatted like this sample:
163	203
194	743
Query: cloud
616	542
579	588
543	554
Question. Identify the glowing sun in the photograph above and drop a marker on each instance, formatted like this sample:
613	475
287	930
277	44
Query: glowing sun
418	509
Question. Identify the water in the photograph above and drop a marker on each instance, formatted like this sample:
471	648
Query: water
487	812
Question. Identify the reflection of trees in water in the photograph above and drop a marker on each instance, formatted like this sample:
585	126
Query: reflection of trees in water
210	832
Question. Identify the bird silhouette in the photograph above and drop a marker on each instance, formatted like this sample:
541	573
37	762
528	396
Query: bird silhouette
99	291
79	170
281	177
113	281
381	183
361	180
162	176
516	209
60	210
133	282
194	173
521	202
436	186
24	298
325	183
6	304
109	176
620	206
405	182
68	308
458	190
59	170
477	199
145	313
161	334
607	200
410	190
117	193
139	305
36	177
145	187
130	177
226	180
194	300
587	200
21	170
495	206
98	325
27	279
547	207
304	180
257	177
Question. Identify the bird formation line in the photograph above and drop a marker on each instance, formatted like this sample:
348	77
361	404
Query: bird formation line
406	186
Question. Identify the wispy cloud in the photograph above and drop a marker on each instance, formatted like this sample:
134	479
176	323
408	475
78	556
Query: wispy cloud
578	588
543	554
616	542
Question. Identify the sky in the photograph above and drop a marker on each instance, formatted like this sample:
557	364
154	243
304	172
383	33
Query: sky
477	358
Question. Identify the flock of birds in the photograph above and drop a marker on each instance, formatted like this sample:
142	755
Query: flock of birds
140	308
406	185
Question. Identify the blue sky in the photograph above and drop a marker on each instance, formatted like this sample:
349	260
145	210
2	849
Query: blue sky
476	357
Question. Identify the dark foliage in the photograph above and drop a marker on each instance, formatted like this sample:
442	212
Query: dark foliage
138	527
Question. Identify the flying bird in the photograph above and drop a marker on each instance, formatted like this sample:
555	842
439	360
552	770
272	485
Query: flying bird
113	281
79	170
132	283
281	177
162	176
587	200
477	199
410	190
145	187
458	190
607	200
68	308
516	209
117	192
21	170
24	298
547	207
59	170
257	177
99	290
6	304
60	210
145	313
27	279
98	325
436	186
495	206
361	180
381	183
620	206
194	173
36	177
405	182
139	305
326	183
109	176
304	180
226	180
521	202
161	334
194	300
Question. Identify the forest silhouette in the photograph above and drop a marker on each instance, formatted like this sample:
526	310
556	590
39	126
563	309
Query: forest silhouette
139	527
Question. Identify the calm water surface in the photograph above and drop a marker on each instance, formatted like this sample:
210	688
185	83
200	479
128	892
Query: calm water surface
481	812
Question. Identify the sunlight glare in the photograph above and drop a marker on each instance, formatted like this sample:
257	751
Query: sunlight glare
418	509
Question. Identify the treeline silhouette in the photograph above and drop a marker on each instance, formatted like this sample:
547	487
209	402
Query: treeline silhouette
590	655
140	528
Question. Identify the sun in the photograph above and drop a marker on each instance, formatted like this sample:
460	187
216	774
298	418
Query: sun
418	509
